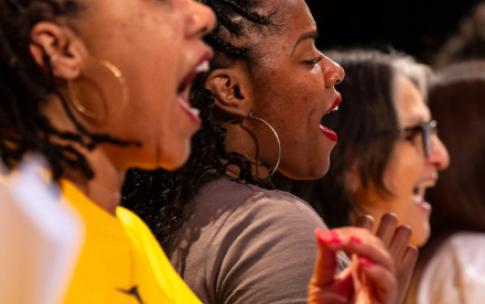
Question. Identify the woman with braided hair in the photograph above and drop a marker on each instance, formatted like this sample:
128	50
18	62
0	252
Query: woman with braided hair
231	237
96	87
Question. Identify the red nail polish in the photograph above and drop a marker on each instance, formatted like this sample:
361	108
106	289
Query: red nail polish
365	262
335	238
356	240
322	236
327	237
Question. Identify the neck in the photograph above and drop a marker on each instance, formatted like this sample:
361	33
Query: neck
242	141
105	187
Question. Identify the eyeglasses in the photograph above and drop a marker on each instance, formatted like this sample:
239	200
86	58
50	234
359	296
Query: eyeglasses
427	129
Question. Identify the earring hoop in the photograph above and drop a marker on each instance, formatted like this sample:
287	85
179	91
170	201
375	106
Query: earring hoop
273	170
117	74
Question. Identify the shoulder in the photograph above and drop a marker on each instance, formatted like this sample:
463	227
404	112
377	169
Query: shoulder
455	271
262	249
154	266
228	198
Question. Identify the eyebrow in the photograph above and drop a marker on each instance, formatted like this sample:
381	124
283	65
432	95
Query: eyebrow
415	121
313	35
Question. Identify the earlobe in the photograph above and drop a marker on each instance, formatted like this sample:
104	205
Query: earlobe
231	90
65	52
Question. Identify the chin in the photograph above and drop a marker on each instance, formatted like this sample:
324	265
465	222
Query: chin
311	173
420	240
175	158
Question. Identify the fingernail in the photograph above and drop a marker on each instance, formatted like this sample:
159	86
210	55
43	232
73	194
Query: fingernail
365	262
327	237
356	240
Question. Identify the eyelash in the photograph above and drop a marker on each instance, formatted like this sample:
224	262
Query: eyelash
313	61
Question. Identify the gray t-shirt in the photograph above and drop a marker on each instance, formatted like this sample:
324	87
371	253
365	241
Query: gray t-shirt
242	244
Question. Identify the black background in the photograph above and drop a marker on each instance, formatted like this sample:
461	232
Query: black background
416	27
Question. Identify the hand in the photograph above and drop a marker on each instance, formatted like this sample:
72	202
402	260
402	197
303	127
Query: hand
397	239
375	265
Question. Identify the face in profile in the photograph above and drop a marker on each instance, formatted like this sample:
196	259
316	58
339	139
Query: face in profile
409	171
156	47
292	87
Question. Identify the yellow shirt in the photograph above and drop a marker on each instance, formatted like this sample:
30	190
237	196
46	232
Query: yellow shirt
120	260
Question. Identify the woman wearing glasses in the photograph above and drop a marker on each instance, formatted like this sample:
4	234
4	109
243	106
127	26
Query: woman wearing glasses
388	154
451	267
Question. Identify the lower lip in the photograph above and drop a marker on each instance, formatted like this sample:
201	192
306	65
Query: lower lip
425	206
194	118
330	134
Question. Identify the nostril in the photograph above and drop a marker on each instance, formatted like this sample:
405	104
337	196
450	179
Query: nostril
339	81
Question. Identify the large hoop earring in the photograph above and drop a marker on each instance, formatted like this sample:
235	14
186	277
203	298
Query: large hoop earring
120	79
273	170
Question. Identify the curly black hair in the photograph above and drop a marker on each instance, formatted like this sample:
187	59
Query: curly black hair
24	86
159	197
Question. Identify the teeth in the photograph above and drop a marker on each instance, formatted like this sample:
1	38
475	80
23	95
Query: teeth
335	109
203	67
419	193
195	111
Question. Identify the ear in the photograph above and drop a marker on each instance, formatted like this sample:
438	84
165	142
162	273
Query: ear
63	49
232	90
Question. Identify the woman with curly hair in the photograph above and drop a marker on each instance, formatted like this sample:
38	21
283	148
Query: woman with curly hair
83	84
231	237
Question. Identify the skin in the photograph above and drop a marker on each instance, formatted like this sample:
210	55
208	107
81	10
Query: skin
407	168
374	262
291	86
123	32
396	238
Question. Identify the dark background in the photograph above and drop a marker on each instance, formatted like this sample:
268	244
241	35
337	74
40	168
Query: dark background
416	27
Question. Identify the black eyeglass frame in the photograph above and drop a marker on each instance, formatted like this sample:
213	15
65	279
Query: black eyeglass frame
427	128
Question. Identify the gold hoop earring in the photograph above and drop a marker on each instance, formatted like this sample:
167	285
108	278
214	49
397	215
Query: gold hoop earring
120	79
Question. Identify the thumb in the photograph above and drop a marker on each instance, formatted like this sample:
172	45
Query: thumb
326	263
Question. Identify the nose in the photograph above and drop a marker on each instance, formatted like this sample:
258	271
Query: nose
439	157
333	73
201	19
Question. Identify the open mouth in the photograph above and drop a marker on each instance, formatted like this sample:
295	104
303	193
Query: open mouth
183	91
329	133
419	193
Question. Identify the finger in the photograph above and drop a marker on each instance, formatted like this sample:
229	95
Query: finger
316	296
410	256
384	282
361	242
386	228
326	262
400	242
365	221
407	268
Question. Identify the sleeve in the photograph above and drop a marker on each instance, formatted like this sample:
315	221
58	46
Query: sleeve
455	273
266	253
158	280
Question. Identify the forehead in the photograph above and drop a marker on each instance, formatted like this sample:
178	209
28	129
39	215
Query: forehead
290	19
410	106
293	12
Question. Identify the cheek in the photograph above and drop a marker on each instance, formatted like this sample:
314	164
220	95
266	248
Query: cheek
403	169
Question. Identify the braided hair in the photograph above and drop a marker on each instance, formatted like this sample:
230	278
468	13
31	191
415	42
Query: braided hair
159	197
25	86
